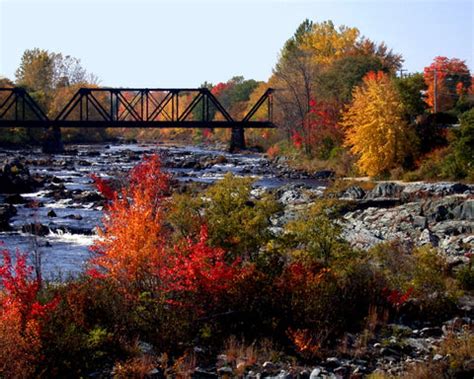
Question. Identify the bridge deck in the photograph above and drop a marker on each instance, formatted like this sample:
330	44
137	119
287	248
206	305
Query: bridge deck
136	124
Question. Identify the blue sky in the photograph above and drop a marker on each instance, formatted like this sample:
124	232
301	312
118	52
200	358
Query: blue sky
181	43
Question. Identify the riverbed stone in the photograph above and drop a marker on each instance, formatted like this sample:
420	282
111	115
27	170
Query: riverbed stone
385	190
353	193
35	229
15	178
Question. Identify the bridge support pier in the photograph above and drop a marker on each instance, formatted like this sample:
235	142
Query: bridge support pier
237	139
53	143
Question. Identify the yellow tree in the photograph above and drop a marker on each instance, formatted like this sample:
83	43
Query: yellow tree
374	125
328	43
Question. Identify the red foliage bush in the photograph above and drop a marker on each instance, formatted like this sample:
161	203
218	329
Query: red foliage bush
103	186
21	317
134	248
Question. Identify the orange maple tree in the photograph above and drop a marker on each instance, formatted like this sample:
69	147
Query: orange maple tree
133	248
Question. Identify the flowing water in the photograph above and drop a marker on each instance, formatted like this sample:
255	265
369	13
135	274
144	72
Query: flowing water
68	206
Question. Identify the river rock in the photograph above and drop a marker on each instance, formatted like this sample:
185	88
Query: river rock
15	199
56	180
385	190
428	238
324	174
420	222
36	229
315	373
6	212
353	193
389	213
16	178
333	362
464	211
226	371
73	217
88	197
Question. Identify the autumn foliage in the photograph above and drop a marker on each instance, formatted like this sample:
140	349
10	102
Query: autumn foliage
132	239
375	129
448	79
21	317
134	247
319	132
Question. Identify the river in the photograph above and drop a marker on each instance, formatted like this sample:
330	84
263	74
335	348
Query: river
68	205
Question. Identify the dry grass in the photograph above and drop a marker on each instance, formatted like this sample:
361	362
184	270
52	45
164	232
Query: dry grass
138	367
184	366
458	350
240	356
376	318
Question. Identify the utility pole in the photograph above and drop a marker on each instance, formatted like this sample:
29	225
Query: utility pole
435	92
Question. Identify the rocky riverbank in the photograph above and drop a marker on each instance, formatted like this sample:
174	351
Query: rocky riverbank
439	214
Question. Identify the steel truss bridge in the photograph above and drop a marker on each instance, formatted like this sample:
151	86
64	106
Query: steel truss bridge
135	108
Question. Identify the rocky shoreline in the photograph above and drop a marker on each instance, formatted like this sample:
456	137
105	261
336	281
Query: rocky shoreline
440	214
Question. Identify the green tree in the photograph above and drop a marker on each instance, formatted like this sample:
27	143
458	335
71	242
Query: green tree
323	62
5	82
234	94
463	145
236	221
36	74
391	62
338	81
197	111
294	75
43	73
411	89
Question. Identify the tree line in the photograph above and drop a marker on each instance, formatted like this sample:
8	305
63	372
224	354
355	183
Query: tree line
339	104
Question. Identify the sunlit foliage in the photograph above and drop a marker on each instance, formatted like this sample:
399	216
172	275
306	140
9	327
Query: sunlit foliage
375	129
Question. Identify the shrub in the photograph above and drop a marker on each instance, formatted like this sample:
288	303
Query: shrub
315	235
168	284
236	221
87	330
22	317
463	145
418	275
465	274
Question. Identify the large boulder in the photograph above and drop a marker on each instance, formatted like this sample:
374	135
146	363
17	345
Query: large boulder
385	190
16	178
324	174
353	193
446	208
464	211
